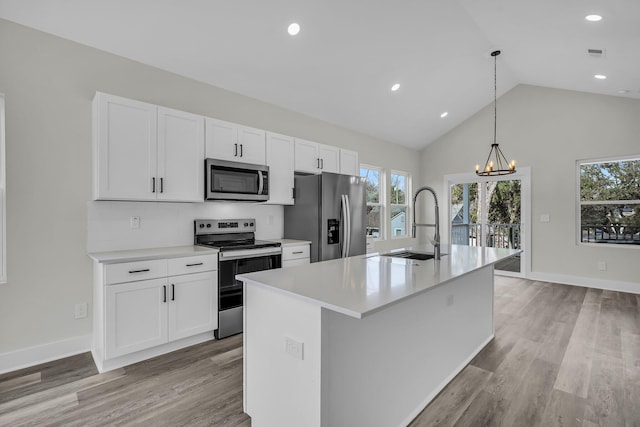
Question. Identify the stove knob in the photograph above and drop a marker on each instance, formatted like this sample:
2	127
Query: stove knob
208	225
251	224
246	224
201	225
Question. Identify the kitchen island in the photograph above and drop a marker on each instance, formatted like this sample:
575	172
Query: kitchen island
367	340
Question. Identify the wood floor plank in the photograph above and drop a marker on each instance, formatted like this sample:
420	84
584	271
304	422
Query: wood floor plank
605	402
14	383
456	396
564	410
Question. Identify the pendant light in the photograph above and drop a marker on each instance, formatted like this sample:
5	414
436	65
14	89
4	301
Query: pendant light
496	163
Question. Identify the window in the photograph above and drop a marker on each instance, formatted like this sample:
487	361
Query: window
399	203
375	201
609	201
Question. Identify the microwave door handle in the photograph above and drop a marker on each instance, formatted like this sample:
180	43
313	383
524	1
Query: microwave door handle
260	182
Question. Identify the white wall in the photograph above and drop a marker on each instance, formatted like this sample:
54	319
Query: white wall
49	83
548	130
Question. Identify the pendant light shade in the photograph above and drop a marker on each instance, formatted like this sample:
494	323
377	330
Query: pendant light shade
496	163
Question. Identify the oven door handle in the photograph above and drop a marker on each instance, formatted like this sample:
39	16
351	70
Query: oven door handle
248	253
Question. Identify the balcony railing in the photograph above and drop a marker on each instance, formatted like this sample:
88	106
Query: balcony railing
614	233
496	235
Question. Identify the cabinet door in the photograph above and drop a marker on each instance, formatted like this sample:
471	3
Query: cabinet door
136	316
329	158
251	145
193	306
280	159
221	140
124	148
306	156
349	162
180	156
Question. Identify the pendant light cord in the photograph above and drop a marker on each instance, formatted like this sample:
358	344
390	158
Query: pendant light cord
495	97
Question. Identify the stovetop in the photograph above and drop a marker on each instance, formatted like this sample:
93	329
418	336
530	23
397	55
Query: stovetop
231	245
229	234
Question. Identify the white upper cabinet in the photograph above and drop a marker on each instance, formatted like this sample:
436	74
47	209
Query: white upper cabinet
312	157
180	156
349	164
125	146
280	159
230	141
146	152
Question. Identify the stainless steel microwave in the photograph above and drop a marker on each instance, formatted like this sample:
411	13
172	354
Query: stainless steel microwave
225	180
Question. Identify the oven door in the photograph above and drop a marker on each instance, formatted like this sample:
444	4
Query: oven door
236	181
230	289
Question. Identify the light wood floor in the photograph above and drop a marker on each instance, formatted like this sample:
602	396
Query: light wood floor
562	356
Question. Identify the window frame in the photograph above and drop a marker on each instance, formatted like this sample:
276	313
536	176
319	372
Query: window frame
407	204
3	194
381	200
580	203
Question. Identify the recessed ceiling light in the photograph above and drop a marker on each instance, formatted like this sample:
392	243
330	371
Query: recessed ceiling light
593	18
443	115
600	76
395	87
293	29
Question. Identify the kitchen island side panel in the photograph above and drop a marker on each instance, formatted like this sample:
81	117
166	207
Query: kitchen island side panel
280	389
383	369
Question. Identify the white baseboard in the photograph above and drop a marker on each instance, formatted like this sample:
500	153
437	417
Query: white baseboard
587	282
30	356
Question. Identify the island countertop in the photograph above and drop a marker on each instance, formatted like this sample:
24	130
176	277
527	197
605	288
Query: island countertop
361	285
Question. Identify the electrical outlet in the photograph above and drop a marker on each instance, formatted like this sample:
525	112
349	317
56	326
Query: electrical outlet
602	265
294	348
81	310
134	221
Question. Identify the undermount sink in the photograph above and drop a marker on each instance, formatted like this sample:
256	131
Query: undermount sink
411	255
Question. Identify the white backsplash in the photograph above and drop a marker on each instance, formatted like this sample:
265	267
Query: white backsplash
169	224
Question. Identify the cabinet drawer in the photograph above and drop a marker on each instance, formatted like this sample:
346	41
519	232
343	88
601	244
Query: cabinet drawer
192	264
295	252
134	271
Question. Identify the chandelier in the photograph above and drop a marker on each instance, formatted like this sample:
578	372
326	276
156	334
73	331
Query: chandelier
496	163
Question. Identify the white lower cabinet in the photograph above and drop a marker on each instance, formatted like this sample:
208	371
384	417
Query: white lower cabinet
295	254
138	319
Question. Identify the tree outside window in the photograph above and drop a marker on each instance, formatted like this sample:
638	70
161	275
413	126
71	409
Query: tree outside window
375	203
399	203
609	201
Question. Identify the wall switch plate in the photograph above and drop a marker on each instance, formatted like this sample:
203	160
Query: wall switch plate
545	218
134	221
602	265
294	348
81	310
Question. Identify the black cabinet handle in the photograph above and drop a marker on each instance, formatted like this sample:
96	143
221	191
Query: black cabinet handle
240	150
173	292
235	150
164	293
321	163
139	271
193	265
161	185
297	252
318	159
153	184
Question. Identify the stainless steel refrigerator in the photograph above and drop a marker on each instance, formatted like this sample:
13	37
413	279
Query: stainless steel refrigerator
329	211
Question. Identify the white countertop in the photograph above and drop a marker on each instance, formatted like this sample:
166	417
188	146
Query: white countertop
361	285
150	253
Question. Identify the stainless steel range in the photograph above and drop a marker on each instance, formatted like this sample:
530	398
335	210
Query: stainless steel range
239	253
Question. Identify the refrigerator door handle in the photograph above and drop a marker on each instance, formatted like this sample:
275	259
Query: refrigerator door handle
348	220
344	252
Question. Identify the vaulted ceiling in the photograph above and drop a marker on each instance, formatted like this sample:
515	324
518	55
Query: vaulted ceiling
348	54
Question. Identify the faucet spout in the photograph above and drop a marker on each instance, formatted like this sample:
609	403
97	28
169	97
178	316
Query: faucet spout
436	225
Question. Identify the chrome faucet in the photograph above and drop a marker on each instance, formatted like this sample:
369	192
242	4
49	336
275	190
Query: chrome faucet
436	238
